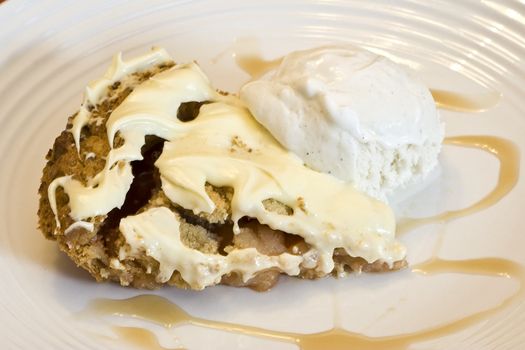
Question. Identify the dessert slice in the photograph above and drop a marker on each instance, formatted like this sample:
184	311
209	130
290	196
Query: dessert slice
159	179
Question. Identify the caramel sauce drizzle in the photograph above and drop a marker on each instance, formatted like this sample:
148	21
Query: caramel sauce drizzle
465	103
509	157
254	65
162	312
140	337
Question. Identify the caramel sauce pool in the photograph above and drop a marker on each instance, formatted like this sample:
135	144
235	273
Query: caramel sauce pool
509	159
162	312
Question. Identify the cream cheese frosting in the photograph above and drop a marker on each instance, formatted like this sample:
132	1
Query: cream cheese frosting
223	146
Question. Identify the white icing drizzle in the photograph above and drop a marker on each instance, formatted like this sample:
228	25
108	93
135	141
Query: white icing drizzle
80	224
335	214
118	70
51	195
157	231
104	192
224	146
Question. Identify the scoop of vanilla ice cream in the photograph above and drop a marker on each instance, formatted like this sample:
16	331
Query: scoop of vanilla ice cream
350	113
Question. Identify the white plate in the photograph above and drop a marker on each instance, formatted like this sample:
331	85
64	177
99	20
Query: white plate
51	49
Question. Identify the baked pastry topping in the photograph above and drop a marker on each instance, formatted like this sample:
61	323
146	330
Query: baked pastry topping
160	179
